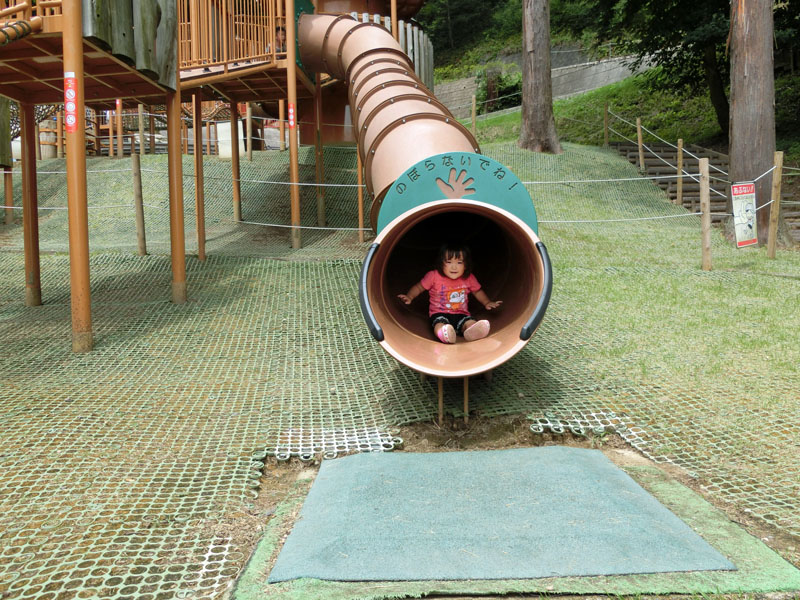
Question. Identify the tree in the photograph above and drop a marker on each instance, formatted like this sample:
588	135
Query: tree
752	115
685	38
538	132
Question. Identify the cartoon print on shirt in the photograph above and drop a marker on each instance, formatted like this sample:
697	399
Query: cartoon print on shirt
457	298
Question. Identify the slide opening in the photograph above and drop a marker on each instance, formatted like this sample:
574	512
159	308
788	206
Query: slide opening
505	261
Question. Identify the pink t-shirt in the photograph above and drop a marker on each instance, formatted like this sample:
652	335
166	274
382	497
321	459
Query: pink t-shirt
449	295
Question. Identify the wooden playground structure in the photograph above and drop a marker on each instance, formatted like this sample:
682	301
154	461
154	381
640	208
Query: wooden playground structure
152	53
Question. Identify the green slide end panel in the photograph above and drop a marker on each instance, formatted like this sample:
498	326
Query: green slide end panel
458	175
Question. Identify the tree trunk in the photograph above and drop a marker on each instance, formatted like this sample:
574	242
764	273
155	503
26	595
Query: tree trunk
752	120
716	87
538	132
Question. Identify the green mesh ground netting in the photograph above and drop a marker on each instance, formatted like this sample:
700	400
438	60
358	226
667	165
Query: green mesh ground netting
124	472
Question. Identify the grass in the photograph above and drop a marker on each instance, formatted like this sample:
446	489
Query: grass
671	115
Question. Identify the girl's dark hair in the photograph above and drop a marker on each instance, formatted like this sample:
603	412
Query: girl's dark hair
448	251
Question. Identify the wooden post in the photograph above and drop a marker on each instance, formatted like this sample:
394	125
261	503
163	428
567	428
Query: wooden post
395	33
152	130
110	119
80	292
138	202
96	132
775	207
30	209
235	171
119	128
59	134
679	194
141	129
216	138
199	192
177	235
281	125
474	116
440	387
249	114
605	125
360	169
705	218
466	399
184	135
8	182
208	138
319	154
291	90
641	145
38	142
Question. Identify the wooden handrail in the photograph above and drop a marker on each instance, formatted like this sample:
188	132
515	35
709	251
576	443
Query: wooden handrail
13	10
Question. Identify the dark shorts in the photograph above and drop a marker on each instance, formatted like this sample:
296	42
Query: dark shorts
457	321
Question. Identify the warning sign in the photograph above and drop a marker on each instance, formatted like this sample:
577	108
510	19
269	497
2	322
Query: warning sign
70	106
744	213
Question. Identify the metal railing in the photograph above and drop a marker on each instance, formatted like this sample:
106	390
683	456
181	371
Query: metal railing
224	32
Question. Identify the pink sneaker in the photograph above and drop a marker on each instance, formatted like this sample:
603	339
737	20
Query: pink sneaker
447	334
477	331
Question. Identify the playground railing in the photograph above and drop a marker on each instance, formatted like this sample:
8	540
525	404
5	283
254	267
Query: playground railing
229	32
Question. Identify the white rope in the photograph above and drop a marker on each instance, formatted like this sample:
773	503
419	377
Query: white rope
19	172
304	226
611	129
67	207
633	219
607	180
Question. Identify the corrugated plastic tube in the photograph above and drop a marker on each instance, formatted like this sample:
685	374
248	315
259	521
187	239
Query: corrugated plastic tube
403	134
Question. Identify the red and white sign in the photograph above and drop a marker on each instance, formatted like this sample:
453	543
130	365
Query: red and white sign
743	196
70	102
291	116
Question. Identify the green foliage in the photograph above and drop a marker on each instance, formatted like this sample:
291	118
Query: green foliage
505	83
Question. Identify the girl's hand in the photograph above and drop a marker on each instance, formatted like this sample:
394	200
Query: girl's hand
404	298
491	305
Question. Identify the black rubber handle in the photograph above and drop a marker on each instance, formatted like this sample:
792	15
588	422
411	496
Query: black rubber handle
363	297
544	299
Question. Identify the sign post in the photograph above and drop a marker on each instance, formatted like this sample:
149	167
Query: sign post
743	195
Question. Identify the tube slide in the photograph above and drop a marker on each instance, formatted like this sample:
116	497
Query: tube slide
429	184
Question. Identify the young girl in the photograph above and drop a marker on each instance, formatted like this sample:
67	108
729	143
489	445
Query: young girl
449	287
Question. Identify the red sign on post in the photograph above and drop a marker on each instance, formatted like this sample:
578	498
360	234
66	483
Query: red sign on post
291	116
70	102
743	196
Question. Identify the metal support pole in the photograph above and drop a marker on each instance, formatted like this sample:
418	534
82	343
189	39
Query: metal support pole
175	168
8	182
466	399
80	293
30	209
199	192
705	218
237	191
291	89
440	389
319	155
775	207
138	201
